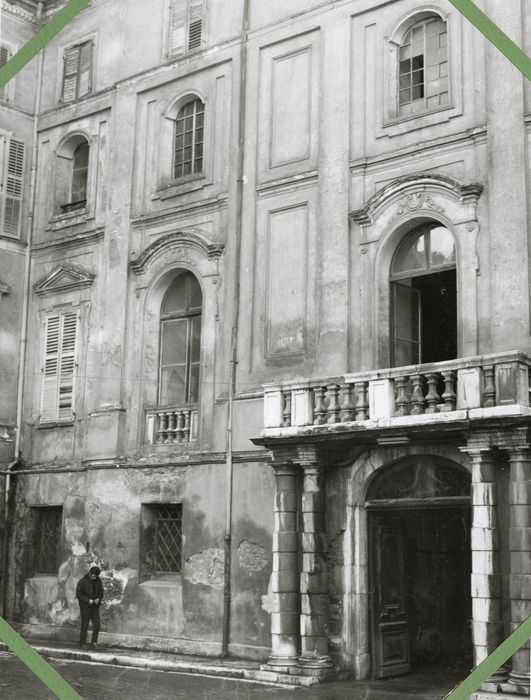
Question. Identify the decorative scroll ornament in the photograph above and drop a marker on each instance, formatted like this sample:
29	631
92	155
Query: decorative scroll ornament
415	201
417	478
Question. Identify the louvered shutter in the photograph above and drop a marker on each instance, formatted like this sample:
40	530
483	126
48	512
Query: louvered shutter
177	43
71	73
59	370
13	188
5	55
85	69
195	24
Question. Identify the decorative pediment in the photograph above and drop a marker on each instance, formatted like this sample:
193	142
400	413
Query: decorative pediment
177	247
63	278
416	193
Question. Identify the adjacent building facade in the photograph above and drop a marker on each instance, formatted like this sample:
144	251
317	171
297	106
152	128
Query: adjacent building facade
265	324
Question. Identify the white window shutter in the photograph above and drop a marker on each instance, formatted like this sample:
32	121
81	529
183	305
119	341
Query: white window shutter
50	370
177	37
195	24
13	188
85	69
59	372
70	78
5	55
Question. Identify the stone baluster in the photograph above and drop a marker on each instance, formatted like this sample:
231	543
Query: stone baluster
286	412
319	410
186	426
449	395
432	397
314	659
285	579
171	426
402	399
333	403
347	405
162	428
520	547
486	579
489	389
362	404
179	427
417	398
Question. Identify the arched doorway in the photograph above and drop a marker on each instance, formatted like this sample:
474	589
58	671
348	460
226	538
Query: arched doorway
419	566
424	297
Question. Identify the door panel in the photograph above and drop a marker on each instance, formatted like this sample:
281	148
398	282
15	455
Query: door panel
406	324
389	618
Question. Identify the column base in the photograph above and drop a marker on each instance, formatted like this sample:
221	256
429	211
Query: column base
517	685
281	664
320	666
494	683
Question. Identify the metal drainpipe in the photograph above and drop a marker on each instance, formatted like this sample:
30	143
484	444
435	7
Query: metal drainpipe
24	325
234	335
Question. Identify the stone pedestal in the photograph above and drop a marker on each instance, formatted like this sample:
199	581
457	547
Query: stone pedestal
520	546
314	659
486	573
285	616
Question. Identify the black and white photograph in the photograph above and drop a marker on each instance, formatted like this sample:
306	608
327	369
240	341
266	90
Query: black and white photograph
265	349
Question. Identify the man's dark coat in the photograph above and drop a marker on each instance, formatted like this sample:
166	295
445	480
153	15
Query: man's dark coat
88	590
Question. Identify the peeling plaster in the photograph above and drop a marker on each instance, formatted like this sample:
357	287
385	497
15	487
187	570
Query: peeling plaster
251	556
205	567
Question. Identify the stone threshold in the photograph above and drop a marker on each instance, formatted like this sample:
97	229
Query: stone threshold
235	669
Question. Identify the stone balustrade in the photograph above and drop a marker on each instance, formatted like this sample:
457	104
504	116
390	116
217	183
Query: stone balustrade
170	425
484	383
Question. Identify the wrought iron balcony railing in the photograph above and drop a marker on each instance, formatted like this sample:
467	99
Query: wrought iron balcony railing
481	386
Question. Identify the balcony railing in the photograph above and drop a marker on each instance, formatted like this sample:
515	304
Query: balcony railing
167	425
480	385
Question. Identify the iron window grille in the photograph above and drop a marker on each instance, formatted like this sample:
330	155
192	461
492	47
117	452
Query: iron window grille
47	539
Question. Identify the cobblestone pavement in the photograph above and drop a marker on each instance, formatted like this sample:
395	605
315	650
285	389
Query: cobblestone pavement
97	682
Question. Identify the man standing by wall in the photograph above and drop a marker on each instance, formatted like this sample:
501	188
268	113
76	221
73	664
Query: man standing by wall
89	593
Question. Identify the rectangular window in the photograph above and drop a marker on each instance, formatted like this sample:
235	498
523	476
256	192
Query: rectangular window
45	547
77	79
5	55
186	26
13	187
60	340
161	540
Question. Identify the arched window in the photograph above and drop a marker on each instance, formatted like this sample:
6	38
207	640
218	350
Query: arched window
189	139
424	297
180	342
80	175
423	67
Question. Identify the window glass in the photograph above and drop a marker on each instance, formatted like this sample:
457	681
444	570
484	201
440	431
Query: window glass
189	137
442	247
411	254
80	174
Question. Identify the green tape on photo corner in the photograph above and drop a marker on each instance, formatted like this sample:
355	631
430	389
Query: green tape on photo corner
492	663
495	35
39	41
34	661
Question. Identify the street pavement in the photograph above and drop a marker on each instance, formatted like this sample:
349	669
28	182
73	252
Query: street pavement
103	682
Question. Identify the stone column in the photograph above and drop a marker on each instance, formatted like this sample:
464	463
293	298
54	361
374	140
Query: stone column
314	659
520	547
486	581
285	640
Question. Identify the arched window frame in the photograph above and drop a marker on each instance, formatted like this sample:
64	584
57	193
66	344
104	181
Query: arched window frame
393	39
64	174
192	318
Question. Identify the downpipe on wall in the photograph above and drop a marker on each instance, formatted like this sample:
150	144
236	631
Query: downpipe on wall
23	334
227	594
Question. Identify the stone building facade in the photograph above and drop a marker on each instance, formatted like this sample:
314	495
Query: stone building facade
272	266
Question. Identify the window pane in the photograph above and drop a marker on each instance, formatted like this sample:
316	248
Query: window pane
442	248
195	341
175	299
195	295
418	92
411	255
418	77
193	392
432	28
174	339
418	62
172	385
405	80
405	66
405	96
406	322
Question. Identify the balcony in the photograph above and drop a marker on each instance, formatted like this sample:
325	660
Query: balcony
487	386
167	425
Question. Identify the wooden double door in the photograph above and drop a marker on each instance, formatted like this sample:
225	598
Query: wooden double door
420	565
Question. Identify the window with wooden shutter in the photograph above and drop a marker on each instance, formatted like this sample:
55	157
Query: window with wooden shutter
60	339
5	55
13	186
77	79
186	26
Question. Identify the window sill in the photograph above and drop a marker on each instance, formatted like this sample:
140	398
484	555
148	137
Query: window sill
47	425
394	126
179	187
174	582
68	219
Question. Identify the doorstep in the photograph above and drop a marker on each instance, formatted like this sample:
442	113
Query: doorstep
164	661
